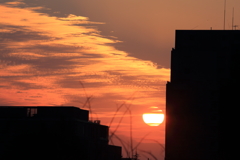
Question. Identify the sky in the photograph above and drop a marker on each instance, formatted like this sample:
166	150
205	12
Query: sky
114	53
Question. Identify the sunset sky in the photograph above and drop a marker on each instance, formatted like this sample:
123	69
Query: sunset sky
60	52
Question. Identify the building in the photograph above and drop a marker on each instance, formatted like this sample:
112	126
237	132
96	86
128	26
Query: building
63	133
201	94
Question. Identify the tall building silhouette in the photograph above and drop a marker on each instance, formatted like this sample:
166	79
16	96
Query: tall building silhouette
200	94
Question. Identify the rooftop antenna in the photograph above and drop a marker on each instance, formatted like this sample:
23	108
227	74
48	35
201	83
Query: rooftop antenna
224	16
233	18
234	27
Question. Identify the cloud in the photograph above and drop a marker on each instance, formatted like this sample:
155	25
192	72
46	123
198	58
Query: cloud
78	20
43	59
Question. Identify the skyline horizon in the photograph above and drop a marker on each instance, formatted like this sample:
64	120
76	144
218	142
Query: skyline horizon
119	50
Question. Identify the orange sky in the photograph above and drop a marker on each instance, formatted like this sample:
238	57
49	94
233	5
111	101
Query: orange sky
118	50
43	59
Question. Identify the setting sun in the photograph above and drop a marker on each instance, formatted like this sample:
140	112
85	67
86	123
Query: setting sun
153	119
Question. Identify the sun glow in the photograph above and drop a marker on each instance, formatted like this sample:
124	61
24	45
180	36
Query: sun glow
153	118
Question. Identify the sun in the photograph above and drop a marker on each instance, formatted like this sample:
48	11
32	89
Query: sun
155	118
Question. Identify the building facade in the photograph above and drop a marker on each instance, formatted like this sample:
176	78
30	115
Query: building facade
201	93
63	133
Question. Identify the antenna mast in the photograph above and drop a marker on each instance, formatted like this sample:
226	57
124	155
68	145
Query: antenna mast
233	18
224	16
234	27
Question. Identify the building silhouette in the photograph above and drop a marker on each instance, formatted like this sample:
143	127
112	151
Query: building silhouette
61	133
201	94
